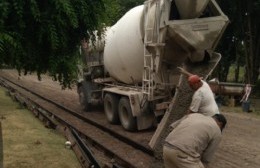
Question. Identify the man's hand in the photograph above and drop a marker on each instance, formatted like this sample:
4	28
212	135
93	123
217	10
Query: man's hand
183	71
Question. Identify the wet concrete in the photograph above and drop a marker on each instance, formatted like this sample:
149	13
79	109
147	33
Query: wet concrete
180	103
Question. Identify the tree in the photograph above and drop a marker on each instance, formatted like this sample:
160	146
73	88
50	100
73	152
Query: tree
44	36
252	39
241	42
128	4
115	9
227	45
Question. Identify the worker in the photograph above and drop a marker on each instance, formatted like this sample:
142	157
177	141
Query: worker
247	91
244	100
203	100
193	141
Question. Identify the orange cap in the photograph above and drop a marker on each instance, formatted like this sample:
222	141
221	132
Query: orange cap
193	79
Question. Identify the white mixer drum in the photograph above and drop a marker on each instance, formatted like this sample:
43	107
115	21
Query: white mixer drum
124	49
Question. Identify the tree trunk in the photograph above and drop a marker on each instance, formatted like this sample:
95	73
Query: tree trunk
249	44
252	43
237	63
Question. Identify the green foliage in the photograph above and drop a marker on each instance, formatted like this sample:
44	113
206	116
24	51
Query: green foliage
231	74
115	9
240	44
128	4
227	45
44	36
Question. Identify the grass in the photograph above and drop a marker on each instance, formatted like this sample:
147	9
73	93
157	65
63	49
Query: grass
27	143
231	74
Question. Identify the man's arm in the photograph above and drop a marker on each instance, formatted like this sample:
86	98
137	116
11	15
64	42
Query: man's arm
183	71
210	150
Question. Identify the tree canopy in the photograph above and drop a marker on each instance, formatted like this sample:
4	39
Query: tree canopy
240	44
44	36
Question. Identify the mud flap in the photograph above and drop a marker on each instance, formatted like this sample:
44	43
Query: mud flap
181	101
145	121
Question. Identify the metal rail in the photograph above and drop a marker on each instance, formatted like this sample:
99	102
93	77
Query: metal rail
84	148
115	134
74	113
48	121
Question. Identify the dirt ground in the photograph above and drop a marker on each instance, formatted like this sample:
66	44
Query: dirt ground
240	144
239	148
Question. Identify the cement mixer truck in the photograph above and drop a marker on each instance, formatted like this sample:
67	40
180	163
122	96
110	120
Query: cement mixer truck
133	71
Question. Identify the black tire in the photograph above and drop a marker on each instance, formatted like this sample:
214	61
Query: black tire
111	108
126	117
83	99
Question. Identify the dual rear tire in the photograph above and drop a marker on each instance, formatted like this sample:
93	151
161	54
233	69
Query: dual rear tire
110	107
119	110
128	121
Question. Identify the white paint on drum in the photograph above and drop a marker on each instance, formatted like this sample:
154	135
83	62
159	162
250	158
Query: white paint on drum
124	49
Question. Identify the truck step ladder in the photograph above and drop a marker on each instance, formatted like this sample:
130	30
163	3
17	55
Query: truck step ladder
151	39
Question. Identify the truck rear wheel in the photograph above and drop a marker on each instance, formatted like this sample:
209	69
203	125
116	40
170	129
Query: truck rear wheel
126	117
110	108
83	99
